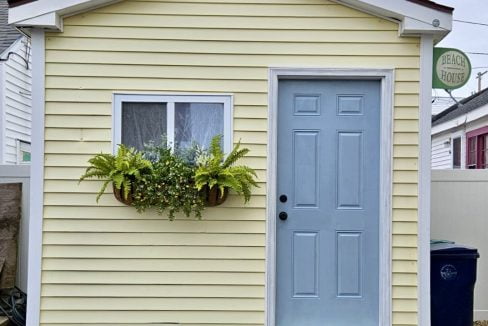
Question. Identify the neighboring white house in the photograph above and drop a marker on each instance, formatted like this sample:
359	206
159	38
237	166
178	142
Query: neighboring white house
460	134
15	93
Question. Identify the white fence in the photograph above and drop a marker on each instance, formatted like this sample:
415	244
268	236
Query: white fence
20	174
460	213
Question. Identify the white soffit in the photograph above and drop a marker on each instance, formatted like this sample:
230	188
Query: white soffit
414	19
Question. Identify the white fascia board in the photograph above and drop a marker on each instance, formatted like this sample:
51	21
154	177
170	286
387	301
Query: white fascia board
414	19
49	13
461	120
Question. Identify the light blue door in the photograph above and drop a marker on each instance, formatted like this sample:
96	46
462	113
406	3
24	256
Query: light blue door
328	203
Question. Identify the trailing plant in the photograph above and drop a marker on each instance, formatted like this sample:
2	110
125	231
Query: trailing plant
215	171
170	187
124	169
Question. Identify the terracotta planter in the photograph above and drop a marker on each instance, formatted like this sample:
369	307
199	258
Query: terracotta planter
119	195
213	197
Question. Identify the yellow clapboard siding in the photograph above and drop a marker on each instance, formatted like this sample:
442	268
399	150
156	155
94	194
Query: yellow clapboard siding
405	254
152	317
81	160
231	60
405	151
92	148
153	324
134	252
406	164
77	134
405	228
154	265
405	318
405	266
406	113
404	279
407	241
154	226
198	278
80	199
212	47
122	212
223	47
233	9
405	202
155	239
250	35
406	138
152	304
153	291
74	173
175	72
404	292
400	189
405	215
232	22
70	108
405	305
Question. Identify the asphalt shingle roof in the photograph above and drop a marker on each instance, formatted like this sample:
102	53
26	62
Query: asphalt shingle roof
8	34
469	104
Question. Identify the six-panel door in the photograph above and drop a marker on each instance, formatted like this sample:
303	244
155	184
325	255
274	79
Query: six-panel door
328	194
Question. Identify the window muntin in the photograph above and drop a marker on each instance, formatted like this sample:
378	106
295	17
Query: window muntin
183	119
456	153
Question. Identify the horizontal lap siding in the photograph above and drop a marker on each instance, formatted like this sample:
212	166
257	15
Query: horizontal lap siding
17	100
105	264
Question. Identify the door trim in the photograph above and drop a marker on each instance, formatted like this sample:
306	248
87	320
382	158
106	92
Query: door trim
386	77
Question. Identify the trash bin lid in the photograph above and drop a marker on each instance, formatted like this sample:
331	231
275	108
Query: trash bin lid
452	249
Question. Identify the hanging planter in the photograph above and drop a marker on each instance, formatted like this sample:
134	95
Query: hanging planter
120	195
214	196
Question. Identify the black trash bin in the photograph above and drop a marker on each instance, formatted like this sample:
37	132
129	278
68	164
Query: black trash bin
452	275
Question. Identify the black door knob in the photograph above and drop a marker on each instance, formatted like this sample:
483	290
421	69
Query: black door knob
283	198
283	216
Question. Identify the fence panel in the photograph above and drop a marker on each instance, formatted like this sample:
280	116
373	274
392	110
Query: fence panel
460	213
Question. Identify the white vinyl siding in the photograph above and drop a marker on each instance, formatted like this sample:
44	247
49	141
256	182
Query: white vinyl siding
16	101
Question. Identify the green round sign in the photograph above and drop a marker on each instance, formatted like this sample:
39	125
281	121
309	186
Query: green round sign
452	68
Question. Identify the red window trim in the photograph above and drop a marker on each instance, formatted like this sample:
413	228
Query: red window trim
480	164
477	132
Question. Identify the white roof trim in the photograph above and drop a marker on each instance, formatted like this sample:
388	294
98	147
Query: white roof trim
414	19
471	116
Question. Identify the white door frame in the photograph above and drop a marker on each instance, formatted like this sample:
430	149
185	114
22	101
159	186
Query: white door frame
386	159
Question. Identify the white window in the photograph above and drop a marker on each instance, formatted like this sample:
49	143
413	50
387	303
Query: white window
23	152
182	119
456	153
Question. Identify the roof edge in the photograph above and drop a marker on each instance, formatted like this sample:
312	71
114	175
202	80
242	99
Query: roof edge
415	17
433	5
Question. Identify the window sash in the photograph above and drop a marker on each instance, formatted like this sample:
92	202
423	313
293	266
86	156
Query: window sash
456	153
170	101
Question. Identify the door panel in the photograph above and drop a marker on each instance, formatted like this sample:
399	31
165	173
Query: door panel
328	167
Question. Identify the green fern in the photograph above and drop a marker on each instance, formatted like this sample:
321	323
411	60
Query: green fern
218	171
123	169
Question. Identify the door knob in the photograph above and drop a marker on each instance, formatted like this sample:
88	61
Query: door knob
283	198
283	216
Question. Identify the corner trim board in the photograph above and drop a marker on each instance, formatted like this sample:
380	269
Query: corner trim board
386	163
425	156
37	178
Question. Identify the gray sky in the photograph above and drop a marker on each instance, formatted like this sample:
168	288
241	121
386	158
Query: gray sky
469	38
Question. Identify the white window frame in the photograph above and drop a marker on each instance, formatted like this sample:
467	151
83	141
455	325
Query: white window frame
23	146
170	101
454	135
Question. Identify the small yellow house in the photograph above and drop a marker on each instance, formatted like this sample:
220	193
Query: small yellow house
331	96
